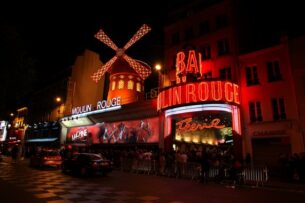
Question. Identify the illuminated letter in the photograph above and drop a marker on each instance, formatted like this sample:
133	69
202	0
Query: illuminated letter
190	90
203	91
216	92
228	92
192	66
177	95
180	65
236	93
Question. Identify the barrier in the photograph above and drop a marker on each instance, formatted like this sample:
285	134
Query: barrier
192	170
259	176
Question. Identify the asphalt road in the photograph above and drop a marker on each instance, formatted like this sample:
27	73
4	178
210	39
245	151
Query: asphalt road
21	184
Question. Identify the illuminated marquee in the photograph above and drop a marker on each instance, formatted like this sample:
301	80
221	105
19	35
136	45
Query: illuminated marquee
197	92
100	105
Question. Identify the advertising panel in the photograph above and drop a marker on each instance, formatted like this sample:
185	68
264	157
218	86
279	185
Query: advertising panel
134	131
209	127
3	130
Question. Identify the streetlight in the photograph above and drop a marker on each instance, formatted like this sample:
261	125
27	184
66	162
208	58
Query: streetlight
58	99
158	68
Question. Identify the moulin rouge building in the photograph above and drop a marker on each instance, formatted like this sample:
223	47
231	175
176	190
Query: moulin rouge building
210	94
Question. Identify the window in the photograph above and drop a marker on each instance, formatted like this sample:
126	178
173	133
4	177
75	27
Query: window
175	38
255	111
207	75
130	84
251	76
205	51
204	28
121	84
113	85
225	73
278	107
221	21
274	72
223	47
188	33
138	87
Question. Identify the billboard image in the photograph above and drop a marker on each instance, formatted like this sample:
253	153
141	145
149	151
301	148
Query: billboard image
134	131
3	130
210	127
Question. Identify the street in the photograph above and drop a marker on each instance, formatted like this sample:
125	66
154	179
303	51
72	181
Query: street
20	183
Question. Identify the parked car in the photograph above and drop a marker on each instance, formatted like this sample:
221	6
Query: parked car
45	158
87	164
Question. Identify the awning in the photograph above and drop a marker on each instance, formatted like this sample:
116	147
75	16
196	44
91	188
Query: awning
42	140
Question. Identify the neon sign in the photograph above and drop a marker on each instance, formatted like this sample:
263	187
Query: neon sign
187	125
189	65
79	135
198	92
104	104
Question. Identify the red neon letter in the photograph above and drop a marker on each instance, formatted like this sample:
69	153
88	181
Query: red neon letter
180	65
177	95
192	62
236	93
216	92
190	90
228	92
203	91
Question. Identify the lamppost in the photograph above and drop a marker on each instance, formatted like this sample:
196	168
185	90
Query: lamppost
59	106
158	68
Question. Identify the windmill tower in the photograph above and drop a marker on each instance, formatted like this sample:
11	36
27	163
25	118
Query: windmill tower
127	75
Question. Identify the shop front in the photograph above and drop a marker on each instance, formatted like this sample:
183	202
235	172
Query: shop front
200	113
128	127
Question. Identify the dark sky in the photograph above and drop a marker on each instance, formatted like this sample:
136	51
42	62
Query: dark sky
38	43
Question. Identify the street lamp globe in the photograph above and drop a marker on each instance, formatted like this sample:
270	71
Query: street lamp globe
158	67
58	99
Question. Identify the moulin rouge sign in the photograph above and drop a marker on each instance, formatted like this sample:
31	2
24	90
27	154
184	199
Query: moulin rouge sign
196	92
99	106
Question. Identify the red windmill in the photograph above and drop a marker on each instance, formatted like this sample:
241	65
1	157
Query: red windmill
127	75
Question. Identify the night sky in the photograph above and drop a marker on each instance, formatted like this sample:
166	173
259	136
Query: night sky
39	43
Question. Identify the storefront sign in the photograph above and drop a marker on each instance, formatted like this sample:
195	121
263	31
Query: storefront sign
210	127
187	125
104	104
198	92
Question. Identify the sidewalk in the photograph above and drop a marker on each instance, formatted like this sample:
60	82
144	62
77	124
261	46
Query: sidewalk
272	184
285	185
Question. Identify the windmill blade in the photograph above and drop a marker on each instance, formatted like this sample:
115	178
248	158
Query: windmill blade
139	68
100	72
101	35
140	33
